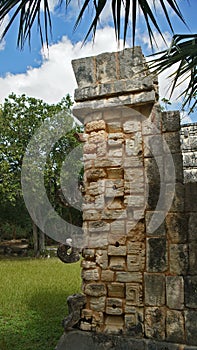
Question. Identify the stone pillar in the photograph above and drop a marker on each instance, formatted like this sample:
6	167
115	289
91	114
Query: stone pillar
135	254
114	97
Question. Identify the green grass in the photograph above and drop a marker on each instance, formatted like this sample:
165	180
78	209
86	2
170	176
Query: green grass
33	295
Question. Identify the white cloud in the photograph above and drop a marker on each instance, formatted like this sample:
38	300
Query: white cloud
52	4
161	45
3	25
55	77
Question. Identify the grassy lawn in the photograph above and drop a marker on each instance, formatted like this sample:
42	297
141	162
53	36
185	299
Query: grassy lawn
33	304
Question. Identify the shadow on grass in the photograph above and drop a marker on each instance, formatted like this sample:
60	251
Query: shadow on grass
40	327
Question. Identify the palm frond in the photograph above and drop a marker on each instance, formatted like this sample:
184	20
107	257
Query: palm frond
182	52
30	10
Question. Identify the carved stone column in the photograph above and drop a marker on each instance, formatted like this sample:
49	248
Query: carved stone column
139	253
114	99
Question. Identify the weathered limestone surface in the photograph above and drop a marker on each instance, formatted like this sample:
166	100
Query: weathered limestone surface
76	339
188	135
139	267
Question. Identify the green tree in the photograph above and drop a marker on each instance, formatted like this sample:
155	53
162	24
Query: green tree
182	50
20	117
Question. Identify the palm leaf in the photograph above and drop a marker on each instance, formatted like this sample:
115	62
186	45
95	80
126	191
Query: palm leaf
183	51
30	10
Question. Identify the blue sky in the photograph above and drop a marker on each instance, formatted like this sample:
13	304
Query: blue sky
47	74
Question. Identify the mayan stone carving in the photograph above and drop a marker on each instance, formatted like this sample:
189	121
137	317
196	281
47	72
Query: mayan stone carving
139	260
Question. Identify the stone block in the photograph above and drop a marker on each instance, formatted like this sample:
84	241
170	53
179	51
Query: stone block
91	215
129	277
190	327
114	188
192	227
96	188
114	214
90	275
177	227
97	137
89	148
89	156
134	188
156	197
152	124
193	258
133	145
134	323
172	142
156	255
114	127
113	238
153	145
118	227
175	292
114	306
107	276
179	260
114	324
155	223
115	139
174	197
106	89
175	326
106	162
133	161
191	199
86	264
170	121
88	253
134	201
95	125
97	303
102	258
99	202
115	173
134	294
84	71
154	169
191	291
87	314
105	68
117	263
116	203
155	323
116	290
85	326
99	226
135	256
154	289
95	289
119	250
101	149
173	165
135	230
115	152
95	174
98	240
131	126
162	345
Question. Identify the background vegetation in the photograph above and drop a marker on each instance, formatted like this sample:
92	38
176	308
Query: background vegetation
33	301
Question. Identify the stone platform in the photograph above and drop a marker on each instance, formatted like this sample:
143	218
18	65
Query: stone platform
80	340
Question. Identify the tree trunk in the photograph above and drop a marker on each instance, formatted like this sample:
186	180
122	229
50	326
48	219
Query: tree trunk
35	239
41	242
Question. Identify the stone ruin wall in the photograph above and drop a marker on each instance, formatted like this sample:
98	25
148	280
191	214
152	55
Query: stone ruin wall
188	135
137	281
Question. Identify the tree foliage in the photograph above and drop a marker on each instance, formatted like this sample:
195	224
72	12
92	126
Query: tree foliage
20	118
